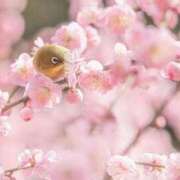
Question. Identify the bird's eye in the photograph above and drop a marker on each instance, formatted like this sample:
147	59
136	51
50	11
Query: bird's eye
55	60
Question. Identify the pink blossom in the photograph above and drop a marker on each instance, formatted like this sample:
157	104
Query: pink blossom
119	18
22	70
35	157
93	38
78	5
43	92
38	161
74	96
72	36
119	167
154	51
26	113
157	162
95	80
172	71
92	65
89	15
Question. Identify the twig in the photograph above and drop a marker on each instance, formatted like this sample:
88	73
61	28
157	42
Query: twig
15	103
10	172
157	114
159	166
14	91
23	99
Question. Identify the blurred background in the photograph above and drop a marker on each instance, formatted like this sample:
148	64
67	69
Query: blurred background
22	20
44	13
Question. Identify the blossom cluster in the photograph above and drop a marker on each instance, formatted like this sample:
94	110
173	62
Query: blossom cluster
34	162
147	166
119	95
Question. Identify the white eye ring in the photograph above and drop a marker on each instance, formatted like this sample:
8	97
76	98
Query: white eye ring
55	60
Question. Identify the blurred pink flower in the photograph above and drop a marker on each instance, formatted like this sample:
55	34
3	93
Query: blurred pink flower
72	36
43	92
8	20
119	18
89	16
153	51
121	167
22	70
95	81
74	96
93	38
35	157
26	113
172	71
78	5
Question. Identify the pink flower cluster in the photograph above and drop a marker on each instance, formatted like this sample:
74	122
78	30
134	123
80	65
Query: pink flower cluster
146	166
120	95
12	24
35	162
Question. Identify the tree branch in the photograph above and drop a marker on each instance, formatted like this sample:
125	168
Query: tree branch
157	114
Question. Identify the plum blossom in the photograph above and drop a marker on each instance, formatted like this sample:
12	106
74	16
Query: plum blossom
172	71
74	95
95	81
119	18
93	77
26	113
157	163
22	70
120	95
120	167
37	161
89	15
35	157
153	51
43	92
93	38
71	36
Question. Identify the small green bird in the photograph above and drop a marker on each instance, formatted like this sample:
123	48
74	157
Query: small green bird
52	61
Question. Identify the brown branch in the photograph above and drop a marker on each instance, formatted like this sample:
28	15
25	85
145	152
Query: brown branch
15	103
23	99
159	166
9	172
157	114
14	91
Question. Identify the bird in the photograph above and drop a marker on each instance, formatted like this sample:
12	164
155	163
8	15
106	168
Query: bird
52	61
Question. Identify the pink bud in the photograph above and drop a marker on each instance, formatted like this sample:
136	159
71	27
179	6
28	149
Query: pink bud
26	113
172	71
161	122
74	96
